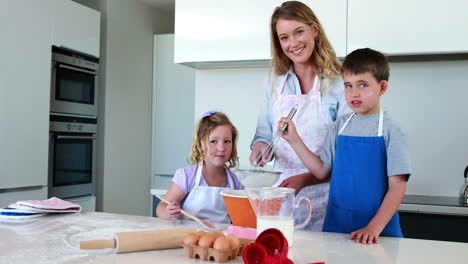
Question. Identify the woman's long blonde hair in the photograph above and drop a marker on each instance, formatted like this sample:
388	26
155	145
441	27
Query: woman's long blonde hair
205	126
323	56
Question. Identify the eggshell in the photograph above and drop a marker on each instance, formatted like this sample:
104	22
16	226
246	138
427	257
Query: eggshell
233	240
207	240
191	239
200	233
221	243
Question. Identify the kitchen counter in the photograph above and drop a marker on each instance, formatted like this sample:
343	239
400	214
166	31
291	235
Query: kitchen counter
55	239
444	205
433	205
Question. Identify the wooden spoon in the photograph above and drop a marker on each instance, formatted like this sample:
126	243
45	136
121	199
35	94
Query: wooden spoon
205	224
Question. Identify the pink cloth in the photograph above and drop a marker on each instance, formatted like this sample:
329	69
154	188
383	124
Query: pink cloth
53	204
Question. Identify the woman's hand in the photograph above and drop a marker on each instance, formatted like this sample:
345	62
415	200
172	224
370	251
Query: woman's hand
297	182
290	133
259	157
366	235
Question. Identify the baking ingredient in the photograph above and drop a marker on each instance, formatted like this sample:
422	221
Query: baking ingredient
200	233
284	224
207	240
233	241
191	239
221	243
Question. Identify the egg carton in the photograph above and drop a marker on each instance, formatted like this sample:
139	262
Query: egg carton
202	253
243	242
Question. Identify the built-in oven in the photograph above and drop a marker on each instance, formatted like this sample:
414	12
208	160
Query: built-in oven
72	156
74	82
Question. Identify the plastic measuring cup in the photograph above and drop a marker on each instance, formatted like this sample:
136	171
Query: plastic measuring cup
274	208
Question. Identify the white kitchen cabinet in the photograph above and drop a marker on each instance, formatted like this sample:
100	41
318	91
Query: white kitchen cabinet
25	92
214	31
76	27
173	106
401	27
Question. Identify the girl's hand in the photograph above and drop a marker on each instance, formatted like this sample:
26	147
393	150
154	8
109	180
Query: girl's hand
366	235
172	211
290	133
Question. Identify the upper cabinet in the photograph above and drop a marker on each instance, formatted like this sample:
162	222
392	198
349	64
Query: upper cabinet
223	31
76	27
401	27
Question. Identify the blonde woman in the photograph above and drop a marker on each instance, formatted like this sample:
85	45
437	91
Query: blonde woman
306	72
196	188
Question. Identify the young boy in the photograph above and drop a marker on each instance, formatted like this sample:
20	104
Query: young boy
364	152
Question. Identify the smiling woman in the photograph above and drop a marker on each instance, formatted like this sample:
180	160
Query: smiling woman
305	72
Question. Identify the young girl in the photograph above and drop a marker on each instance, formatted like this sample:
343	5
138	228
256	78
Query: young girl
196	188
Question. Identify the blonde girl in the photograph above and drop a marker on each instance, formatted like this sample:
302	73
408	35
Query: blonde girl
196	188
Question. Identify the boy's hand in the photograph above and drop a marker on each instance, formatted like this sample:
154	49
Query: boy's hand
173	211
290	133
366	235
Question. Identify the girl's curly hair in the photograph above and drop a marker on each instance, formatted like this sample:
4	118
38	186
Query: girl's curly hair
205	126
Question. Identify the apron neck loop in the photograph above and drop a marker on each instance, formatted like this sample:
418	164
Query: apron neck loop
380	129
284	78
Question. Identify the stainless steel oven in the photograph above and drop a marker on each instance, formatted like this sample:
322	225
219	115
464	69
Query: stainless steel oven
74	82
72	156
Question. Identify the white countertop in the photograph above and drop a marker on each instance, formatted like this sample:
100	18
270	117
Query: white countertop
55	239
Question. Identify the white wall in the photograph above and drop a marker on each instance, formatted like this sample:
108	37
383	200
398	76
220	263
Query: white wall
428	99
124	119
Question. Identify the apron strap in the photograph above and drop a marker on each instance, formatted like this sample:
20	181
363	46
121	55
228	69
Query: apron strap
280	88
346	123
198	174
380	133
380	129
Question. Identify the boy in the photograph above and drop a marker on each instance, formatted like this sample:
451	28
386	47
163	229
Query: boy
364	152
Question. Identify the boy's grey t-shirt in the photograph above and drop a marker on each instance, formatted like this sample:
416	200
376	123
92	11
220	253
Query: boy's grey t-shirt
398	161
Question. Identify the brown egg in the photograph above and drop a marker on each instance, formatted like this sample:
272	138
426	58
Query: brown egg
207	240
221	243
216	234
191	239
233	240
200	233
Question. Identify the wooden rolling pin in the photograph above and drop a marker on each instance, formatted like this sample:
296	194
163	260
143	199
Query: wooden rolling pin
141	240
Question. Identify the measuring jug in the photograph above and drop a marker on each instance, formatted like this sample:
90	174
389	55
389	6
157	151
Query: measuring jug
274	208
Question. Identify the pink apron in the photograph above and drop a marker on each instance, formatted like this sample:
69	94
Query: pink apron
311	126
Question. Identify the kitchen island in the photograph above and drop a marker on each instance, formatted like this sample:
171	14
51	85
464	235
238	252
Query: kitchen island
56	238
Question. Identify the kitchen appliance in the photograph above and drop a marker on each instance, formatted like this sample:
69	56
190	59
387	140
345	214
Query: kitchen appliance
72	156
464	190
74	82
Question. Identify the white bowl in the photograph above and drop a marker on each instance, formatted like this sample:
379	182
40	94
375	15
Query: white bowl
257	178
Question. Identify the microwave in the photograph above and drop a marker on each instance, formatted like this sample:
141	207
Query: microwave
74	82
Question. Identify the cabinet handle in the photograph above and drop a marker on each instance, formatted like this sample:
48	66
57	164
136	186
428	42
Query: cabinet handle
22	188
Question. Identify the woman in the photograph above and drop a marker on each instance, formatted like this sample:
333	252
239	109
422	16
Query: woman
306	72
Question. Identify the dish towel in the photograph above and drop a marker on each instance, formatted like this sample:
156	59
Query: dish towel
31	209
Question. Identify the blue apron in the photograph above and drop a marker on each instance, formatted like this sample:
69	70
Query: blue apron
359	184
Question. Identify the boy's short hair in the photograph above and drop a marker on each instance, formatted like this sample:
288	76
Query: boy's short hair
366	60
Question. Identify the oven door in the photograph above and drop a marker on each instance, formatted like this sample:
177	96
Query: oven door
73	90
72	164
